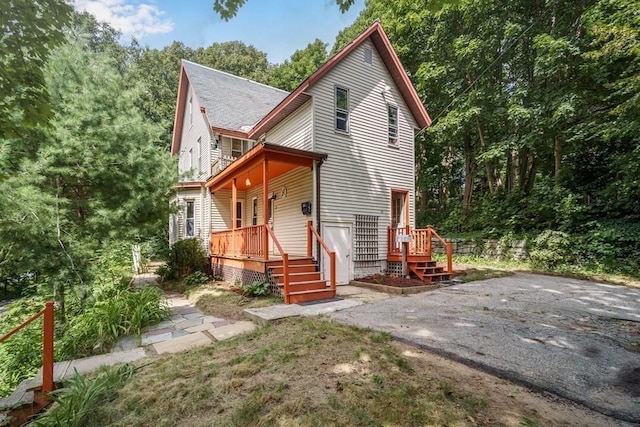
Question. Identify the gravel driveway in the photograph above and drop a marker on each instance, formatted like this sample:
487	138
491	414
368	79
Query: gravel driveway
574	338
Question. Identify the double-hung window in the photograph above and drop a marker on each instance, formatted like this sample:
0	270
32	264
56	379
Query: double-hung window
342	109
190	220
392	114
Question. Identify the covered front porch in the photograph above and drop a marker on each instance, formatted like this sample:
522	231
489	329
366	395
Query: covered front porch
262	216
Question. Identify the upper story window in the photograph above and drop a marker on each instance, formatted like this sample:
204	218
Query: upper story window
239	147
190	111
392	114
342	109
368	55
200	154
190	158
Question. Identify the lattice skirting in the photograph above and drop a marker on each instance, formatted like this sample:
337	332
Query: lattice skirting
237	275
394	268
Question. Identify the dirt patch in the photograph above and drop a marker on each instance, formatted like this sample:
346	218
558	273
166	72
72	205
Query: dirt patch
396	282
226	301
303	372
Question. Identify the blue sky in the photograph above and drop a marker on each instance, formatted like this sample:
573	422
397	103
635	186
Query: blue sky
277	27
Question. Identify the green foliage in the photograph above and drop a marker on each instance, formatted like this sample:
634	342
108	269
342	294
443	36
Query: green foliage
30	30
551	249
302	64
186	257
21	355
82	395
196	278
256	289
119	312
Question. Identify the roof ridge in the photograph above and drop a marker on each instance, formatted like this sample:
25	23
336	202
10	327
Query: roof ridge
233	75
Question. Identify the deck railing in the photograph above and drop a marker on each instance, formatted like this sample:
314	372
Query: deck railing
47	343
221	164
421	243
311	233
245	241
285	263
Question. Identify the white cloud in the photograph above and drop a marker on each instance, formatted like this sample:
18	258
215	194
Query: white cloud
131	19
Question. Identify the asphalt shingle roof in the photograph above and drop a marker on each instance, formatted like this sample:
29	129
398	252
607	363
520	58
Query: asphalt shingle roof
231	102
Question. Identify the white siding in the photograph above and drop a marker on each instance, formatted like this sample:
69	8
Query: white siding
221	209
295	131
181	200
289	222
189	141
362	168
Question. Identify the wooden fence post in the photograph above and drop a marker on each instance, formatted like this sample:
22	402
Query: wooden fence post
47	348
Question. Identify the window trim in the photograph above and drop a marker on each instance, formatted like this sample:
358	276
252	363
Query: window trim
254	211
337	110
187	218
199	155
393	140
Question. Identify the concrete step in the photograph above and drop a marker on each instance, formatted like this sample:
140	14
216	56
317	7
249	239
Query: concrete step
312	295
67	369
20	396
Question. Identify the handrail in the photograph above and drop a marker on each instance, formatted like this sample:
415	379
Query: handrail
311	231
47	342
285	263
448	248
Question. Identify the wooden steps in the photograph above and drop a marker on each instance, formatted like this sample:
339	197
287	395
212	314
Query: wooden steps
305	282
427	270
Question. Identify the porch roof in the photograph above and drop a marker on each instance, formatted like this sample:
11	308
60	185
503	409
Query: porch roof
281	160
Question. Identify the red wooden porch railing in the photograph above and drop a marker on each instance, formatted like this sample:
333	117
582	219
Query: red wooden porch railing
285	263
245	241
421	243
311	232
47	343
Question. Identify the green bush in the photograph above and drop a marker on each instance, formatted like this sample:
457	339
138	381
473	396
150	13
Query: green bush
195	279
256	289
81	396
97	328
551	249
186	257
21	355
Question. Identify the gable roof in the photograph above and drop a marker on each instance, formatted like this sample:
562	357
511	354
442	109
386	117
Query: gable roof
383	45
240	107
230	103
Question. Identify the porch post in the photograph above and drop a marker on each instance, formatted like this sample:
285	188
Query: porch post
265	206
234	213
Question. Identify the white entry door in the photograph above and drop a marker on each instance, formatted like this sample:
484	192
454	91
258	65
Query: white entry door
338	239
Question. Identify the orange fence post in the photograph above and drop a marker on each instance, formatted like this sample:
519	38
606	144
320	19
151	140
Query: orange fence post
429	242
332	266
449	258
47	348
309	238
285	272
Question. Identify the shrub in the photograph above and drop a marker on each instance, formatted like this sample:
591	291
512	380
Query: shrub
195	279
98	327
551	249
256	289
21	355
186	257
83	395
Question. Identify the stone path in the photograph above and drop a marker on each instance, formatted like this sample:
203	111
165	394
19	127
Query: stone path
187	328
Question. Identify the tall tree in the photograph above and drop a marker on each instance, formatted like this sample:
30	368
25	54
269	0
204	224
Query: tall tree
301	65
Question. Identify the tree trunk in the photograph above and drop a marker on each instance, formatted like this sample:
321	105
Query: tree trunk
557	156
469	172
487	164
510	176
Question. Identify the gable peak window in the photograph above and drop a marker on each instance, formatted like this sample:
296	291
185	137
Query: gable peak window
368	55
342	109
190	110
392	115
